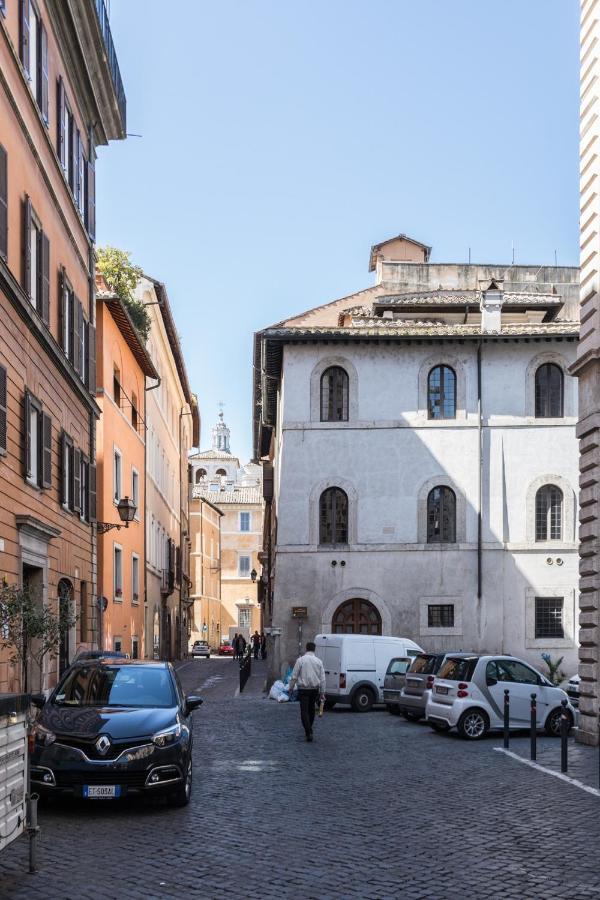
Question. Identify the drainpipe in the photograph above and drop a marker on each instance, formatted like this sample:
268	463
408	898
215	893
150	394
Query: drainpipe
480	445
147	390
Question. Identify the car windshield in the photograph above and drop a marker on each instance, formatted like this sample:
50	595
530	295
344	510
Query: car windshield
398	667
129	686
424	664
458	668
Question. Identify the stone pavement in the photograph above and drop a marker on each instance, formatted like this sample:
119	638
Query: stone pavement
376	807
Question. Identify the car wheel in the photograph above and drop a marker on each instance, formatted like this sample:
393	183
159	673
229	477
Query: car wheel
329	704
473	725
552	725
363	700
181	796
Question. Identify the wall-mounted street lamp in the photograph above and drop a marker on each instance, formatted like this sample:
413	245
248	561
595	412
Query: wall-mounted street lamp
126	509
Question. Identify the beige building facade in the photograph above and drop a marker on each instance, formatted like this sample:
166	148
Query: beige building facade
236	490
205	571
172	429
587	369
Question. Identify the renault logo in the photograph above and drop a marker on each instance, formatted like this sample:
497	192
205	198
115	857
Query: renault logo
102	745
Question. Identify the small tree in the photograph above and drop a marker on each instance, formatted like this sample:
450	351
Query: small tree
555	673
122	277
30	629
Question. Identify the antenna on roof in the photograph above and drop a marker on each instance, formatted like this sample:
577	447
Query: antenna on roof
469	256
555	259
513	252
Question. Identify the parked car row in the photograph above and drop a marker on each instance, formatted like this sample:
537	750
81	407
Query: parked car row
464	691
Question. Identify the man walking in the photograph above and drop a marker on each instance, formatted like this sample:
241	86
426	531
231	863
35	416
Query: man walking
256	644
309	675
234	644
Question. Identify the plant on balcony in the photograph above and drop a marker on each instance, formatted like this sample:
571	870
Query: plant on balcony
555	673
30	630
122	277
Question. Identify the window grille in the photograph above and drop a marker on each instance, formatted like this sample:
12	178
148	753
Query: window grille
548	513
441	516
333	517
334	395
440	615
549	390
549	617
441	393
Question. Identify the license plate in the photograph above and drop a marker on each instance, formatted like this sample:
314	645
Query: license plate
101	791
441	690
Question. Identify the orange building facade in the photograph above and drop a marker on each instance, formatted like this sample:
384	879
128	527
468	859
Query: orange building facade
60	97
207	619
122	365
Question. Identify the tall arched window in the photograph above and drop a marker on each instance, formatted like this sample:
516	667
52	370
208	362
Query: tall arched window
333	517
200	474
548	513
334	395
221	472
356	617
441	393
441	515
549	392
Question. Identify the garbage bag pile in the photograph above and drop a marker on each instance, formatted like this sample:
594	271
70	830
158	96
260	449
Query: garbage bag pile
280	690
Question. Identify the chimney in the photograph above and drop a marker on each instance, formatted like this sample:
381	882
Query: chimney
491	306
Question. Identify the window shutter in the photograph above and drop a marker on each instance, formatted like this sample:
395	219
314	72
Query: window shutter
60	121
64	489
45	297
24	33
72	150
92	492
3	409
46	451
85	375
3	202
91	197
27	246
92	359
76	480
178	565
61	308
75	332
80	330
85	467
77	149
44	71
27	432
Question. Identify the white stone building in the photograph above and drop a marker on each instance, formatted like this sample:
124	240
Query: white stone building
420	459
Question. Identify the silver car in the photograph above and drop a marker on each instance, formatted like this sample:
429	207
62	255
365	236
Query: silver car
200	648
393	681
419	680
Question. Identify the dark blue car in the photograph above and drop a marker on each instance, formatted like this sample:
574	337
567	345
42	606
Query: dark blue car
113	728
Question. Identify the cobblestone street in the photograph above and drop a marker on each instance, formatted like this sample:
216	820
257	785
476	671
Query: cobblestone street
374	808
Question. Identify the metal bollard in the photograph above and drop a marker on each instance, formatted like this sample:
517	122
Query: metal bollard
506	716
533	723
564	736
33	831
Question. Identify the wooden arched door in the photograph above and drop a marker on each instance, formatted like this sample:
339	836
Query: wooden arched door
356	617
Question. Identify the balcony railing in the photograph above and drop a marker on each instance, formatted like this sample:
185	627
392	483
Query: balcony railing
111	56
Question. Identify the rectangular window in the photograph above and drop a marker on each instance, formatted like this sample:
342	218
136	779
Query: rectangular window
244	566
38	443
84	489
549	617
66	471
244	617
135	491
134	412
440	615
135	578
67	312
135	648
3	410
118	572
118	645
117	386
34	262
244	521
117	471
3	203
35	443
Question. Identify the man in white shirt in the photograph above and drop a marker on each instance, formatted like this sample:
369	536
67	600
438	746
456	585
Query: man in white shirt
309	676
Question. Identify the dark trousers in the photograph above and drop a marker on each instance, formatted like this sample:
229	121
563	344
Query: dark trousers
256	651
308	699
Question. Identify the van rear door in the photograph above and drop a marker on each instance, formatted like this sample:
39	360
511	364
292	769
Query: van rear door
331	657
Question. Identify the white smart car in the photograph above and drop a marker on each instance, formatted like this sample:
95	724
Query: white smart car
468	694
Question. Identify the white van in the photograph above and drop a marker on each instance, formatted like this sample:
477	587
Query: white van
355	666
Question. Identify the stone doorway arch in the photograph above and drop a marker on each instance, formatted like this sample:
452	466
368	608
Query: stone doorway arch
356	616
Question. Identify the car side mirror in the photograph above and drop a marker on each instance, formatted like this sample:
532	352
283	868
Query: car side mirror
192	702
38	700
491	681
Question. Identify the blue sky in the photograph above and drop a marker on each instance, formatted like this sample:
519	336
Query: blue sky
281	139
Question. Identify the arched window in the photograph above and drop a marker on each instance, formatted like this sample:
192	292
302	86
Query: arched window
356	617
200	474
548	513
441	393
221	472
441	516
333	517
549	392
334	395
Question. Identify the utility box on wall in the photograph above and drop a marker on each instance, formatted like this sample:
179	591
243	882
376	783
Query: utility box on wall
13	766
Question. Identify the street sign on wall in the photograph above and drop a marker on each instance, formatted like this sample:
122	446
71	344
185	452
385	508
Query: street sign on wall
299	612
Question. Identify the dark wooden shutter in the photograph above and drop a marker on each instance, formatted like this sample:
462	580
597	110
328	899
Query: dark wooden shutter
92	359
92	492
3	202
85	467
76	337
24	33
46	451
80	330
3	409
72	151
178	565
61	308
91	197
45	292
77	186
85	374
27	246
27	434
64	487
60	117
76	479
44	72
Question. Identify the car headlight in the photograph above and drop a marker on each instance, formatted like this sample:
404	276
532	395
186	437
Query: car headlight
43	735
168	736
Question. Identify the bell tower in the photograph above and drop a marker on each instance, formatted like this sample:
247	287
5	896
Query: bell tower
220	435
